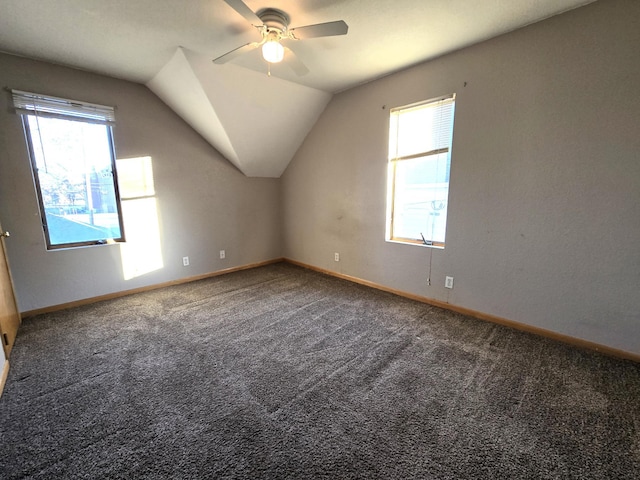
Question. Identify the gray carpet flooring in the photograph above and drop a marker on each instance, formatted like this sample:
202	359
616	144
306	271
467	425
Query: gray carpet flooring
283	373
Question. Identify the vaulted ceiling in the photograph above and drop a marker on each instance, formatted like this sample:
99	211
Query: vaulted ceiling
257	122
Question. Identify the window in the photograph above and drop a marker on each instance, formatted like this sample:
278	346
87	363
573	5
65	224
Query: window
420	137
73	163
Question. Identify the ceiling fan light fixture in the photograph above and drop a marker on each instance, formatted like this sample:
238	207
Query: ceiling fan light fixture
273	25
272	51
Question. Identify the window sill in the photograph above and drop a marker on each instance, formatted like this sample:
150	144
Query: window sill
84	245
415	244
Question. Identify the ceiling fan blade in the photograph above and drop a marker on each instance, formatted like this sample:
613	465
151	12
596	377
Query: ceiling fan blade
240	7
328	29
236	52
294	63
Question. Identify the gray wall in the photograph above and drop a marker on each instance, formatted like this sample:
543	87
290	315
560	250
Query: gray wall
544	215
203	203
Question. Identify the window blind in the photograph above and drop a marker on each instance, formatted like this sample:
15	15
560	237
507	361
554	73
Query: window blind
36	104
421	129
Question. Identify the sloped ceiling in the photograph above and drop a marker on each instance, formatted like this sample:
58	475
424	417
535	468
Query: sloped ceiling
256	121
246	115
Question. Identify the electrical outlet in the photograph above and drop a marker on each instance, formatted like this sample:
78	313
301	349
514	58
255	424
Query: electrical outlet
448	282
336	257
185	261
222	254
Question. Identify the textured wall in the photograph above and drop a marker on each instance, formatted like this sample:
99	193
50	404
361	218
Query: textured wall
544	216
203	203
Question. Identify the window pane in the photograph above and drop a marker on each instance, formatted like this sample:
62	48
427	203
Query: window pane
74	169
421	197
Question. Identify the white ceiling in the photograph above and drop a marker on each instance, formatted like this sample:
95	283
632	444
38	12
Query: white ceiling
137	39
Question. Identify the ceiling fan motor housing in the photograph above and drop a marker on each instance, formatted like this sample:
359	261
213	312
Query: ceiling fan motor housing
274	19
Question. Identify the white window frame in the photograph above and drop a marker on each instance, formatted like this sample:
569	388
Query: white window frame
400	150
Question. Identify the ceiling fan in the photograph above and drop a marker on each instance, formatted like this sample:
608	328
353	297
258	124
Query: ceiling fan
273	25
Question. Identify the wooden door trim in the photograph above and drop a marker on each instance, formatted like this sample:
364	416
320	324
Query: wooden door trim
9	288
3	376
